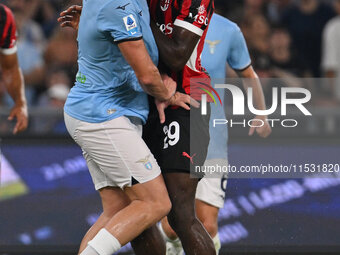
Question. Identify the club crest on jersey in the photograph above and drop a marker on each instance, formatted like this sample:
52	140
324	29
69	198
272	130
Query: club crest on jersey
130	24
201	10
145	161
165	4
212	45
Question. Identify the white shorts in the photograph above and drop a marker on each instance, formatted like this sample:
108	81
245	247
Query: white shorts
114	150
211	190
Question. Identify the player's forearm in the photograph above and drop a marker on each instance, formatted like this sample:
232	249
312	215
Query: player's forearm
14	82
152	84
146	72
253	81
173	54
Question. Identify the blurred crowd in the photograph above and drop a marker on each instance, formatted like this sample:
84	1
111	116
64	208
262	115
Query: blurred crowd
286	38
291	39
47	54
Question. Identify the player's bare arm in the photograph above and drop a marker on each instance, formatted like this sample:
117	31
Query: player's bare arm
176	51
254	82
147	73
162	88
15	86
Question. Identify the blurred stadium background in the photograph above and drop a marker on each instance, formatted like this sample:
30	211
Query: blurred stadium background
47	200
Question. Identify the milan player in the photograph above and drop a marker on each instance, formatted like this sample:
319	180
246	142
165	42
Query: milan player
224	44
180	28
11	72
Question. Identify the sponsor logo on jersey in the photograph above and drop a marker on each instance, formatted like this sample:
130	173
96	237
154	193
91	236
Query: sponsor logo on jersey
165	4
81	78
146	162
212	45
130	24
185	154
123	7
166	29
201	19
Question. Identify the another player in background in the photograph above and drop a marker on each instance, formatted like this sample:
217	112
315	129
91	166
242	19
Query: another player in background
224	44
10	69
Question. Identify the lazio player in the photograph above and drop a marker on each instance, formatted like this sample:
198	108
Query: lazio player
224	44
104	113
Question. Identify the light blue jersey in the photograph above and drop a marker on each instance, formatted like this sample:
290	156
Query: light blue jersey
224	44
106	86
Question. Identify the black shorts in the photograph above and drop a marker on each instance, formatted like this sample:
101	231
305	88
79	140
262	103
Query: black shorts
181	143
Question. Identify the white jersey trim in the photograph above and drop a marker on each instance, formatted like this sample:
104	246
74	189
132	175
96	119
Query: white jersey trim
9	51
188	26
193	59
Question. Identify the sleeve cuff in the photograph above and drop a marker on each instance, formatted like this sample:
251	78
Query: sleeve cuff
9	51
188	26
129	39
242	69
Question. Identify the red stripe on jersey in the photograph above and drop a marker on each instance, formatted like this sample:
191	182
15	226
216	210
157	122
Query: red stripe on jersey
195	12
168	17
185	8
197	71
8	28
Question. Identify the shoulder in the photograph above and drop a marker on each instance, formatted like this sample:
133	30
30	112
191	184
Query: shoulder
224	24
7	13
112	10
117	6
115	9
4	8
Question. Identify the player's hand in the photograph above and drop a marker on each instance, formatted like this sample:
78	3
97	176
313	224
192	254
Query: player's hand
70	17
178	99
169	83
19	112
263	131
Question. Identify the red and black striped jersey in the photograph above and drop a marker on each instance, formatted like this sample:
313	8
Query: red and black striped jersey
193	15
7	31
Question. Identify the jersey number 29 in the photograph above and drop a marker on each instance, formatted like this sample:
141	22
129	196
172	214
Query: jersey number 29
172	133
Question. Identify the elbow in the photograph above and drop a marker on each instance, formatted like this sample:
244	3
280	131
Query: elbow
248	73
